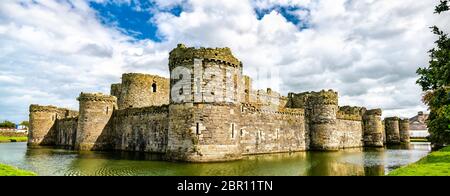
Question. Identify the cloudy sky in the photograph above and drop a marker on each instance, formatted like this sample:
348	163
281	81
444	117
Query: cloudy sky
368	50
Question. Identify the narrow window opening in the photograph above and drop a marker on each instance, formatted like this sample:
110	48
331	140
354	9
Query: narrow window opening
154	87
242	132
107	110
197	128
232	130
198	86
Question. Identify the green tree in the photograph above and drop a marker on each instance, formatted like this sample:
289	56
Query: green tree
435	82
25	123
7	124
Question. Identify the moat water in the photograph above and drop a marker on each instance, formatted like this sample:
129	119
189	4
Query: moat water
357	161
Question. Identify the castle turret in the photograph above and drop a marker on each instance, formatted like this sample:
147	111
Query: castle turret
142	90
204	109
42	125
373	128
392	130
320	111
95	112
404	130
116	90
323	124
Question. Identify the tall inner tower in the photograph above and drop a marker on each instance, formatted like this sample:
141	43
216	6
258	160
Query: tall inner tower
204	109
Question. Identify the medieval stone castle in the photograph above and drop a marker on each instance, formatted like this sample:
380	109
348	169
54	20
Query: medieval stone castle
193	117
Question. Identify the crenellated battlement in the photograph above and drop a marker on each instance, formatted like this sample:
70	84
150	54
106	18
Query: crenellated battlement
96	97
140	77
307	99
350	112
258	108
42	108
376	112
393	118
185	55
60	113
403	120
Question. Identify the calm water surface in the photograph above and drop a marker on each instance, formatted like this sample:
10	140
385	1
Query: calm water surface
358	161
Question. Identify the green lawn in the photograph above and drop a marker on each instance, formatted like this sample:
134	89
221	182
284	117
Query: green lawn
13	139
6	170
435	164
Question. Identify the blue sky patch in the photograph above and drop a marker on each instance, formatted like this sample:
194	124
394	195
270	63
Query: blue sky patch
135	18
132	19
289	13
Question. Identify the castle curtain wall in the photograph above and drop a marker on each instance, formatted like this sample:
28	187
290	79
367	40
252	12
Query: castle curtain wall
140	129
66	130
350	133
271	131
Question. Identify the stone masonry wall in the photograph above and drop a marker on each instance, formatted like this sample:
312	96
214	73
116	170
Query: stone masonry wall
270	132
392	130
350	133
66	130
350	126
96	110
140	129
373	128
181	138
141	90
43	124
116	90
321	110
404	130
203	132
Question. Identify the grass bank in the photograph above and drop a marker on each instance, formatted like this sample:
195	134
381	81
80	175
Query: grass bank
6	170
13	139
419	140
435	164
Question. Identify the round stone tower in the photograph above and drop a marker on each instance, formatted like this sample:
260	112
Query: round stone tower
404	130
373	128
392	130
142	90
323	107
95	112
204	107
42	125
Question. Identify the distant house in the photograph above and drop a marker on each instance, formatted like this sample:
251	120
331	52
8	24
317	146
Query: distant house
417	125
18	128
